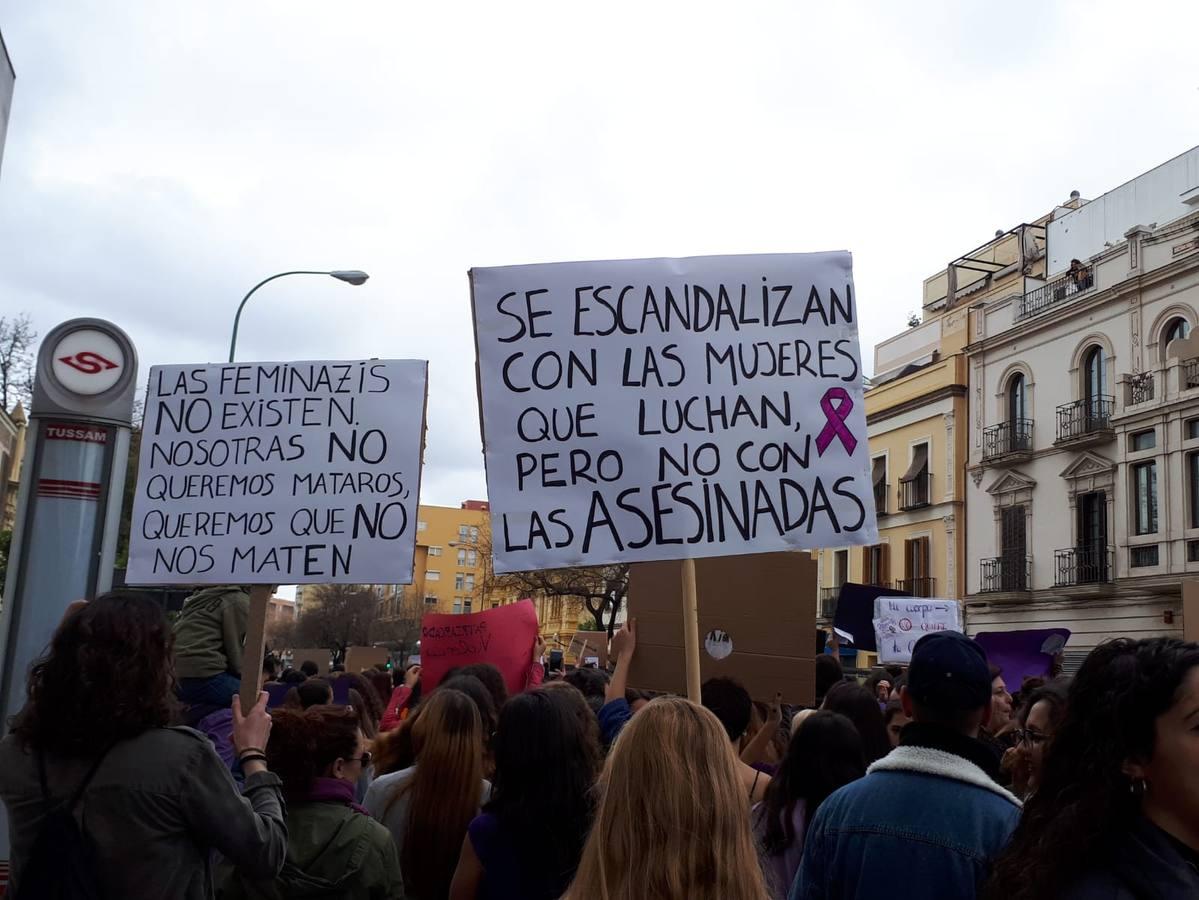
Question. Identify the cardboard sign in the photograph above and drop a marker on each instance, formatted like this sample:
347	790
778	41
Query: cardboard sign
1190	609
899	622
761	607
279	473
671	408
854	620
359	658
590	648
318	655
503	636
1023	654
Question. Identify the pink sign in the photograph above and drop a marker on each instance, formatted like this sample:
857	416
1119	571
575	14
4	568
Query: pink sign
503	636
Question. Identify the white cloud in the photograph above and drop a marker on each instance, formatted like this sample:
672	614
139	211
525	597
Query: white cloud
164	157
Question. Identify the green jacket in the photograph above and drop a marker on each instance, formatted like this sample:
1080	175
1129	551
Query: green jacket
333	851
210	631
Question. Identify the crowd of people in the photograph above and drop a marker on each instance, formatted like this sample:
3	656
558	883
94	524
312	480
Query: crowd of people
931	781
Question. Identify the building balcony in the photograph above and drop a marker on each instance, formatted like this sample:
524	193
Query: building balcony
1007	574
882	494
1076	566
1008	442
1062	288
828	602
917	587
915	492
1086	421
1138	388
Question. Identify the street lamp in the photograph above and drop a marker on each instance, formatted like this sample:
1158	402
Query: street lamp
349	276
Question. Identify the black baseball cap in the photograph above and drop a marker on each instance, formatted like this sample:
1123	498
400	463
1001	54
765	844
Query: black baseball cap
949	672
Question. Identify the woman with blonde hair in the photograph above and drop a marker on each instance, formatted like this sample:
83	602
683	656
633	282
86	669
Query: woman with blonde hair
428	806
671	820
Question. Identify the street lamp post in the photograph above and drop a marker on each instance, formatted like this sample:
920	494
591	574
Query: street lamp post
349	276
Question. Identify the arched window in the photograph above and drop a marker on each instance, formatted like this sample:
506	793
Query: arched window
1094	379
1177	329
1016	408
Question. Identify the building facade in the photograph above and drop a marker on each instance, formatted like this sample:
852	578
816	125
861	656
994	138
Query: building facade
1083	489
8	77
12	456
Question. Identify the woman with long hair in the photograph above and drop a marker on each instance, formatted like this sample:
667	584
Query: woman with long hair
1036	723
824	754
428	806
671	819
1116	814
153	801
545	767
861	707
334	847
393	750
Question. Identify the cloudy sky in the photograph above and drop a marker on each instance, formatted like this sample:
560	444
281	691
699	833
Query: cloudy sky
163	157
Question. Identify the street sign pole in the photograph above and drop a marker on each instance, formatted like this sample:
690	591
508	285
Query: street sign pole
69	507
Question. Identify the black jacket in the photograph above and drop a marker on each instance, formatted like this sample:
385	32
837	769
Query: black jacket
1148	865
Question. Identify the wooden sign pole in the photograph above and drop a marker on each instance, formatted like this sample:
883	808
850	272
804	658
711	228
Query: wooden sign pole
691	629
251	658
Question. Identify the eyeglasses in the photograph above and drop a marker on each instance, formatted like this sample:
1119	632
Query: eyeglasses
365	758
1032	738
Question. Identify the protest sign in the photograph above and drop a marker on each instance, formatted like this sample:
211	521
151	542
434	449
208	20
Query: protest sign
899	622
503	636
756	613
359	658
590	648
1023	654
671	408
854	617
1190	609
279	473
318	655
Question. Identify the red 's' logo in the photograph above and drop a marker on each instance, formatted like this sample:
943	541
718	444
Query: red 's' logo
88	363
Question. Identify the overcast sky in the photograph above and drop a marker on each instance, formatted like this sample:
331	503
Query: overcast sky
163	157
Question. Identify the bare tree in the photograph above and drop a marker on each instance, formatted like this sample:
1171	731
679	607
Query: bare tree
402	626
340	616
602	589
17	339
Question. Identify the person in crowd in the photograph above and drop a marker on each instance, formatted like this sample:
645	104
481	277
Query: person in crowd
310	669
1115	812
152	801
270	668
582	708
860	706
729	701
372	703
800	717
879	684
396	749
545	768
998	734
828	673
825	754
403	698
617	710
334	847
209	635
592	684
894	718
671	819
313	692
293	677
763	745
381	682
428	806
337	669
1037	721
931	809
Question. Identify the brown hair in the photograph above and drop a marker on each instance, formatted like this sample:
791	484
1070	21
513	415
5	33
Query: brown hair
578	705
445	791
306	742
106	677
673	817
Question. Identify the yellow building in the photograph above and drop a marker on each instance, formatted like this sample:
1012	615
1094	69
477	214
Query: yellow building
917	424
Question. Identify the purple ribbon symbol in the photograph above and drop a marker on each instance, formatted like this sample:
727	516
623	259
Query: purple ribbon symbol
836	405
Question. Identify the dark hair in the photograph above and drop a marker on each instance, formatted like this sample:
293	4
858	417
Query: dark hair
270	666
861	707
590	682
381	682
397	677
583	709
828	673
545	769
305	743
1079	814
337	667
373	705
398	751
106	677
730	702
877	678
492	679
1053	693
894	708
482	698
994	671
309	668
314	692
824	754
293	676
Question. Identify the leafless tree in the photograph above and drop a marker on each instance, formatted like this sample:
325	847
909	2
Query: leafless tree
17	340
339	616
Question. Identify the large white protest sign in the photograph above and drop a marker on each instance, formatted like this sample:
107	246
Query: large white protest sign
899	622
279	473
671	408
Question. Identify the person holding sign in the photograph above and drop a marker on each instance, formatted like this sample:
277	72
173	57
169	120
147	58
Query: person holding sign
931	808
154	801
209	635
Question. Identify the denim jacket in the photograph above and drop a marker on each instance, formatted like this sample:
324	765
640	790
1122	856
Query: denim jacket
925	822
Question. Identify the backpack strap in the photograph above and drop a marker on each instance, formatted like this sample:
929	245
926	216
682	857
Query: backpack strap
87	779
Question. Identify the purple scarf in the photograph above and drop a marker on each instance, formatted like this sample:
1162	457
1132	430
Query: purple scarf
333	790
